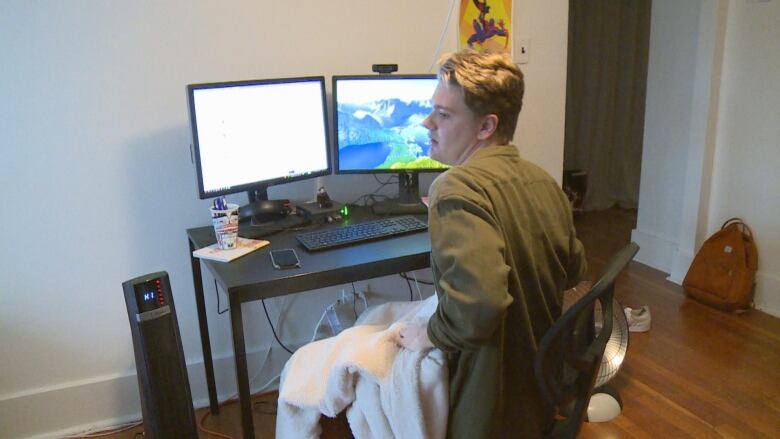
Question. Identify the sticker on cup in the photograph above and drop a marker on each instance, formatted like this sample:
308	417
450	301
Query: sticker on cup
225	223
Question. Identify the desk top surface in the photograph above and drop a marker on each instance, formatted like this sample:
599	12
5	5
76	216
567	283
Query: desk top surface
253	277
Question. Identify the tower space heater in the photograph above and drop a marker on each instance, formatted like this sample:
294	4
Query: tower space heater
166	401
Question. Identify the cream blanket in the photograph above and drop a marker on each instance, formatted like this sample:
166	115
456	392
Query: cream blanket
388	391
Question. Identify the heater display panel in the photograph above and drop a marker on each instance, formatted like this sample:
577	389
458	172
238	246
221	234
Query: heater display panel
149	295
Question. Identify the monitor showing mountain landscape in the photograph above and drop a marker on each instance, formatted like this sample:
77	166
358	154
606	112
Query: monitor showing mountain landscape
378	123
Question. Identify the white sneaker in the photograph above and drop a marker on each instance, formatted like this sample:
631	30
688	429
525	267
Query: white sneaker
638	319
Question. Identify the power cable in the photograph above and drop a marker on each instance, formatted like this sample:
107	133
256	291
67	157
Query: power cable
417	284
354	300
372	195
441	37
231	400
424	282
409	284
216	290
272	328
111	431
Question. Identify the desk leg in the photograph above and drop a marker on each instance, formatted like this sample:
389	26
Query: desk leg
205	341
242	374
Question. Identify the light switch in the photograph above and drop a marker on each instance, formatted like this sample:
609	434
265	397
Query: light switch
523	50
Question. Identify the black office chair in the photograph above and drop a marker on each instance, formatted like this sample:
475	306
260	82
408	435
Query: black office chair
569	356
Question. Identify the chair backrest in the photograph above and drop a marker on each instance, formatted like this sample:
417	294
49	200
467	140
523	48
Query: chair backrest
569	356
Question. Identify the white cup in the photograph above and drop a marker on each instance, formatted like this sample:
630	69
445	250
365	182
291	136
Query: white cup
225	223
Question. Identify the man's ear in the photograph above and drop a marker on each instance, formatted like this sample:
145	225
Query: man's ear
488	127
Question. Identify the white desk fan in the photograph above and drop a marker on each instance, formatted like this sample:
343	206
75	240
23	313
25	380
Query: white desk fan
605	403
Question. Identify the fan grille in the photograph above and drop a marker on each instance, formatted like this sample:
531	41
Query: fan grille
617	345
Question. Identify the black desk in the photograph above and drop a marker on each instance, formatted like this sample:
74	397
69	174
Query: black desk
252	277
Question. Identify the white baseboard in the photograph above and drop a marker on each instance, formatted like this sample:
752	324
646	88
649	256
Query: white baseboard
767	298
654	251
98	403
681	261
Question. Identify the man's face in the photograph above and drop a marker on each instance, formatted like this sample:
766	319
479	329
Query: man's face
452	126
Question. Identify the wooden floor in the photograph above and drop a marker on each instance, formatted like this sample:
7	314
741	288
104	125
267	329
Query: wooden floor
698	372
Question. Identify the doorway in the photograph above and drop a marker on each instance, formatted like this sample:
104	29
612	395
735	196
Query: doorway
605	108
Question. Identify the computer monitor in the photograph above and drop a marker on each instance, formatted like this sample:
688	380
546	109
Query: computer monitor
378	121
249	135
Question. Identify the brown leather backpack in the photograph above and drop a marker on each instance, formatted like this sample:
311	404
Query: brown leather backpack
723	272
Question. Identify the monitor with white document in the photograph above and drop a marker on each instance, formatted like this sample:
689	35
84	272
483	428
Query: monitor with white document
249	135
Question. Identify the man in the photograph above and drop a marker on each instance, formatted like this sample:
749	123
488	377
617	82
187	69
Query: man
503	250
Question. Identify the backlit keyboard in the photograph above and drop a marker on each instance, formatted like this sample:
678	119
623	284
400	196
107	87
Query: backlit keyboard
355	233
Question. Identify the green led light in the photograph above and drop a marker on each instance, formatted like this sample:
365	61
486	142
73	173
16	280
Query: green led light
344	211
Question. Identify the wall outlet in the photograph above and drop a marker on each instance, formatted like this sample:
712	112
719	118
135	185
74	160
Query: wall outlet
340	316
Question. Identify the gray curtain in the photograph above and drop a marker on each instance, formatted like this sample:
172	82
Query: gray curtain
605	97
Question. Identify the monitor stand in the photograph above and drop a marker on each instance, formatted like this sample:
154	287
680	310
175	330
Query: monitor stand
266	216
393	207
408	201
254	230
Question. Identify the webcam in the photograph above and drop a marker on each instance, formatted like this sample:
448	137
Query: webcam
384	68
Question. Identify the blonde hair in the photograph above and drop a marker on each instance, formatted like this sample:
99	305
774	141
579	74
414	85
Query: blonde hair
491	84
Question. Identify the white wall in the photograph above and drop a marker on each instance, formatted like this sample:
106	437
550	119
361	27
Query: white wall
710	145
97	184
540	128
670	84
746	177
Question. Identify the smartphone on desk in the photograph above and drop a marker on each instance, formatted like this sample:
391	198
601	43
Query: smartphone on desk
285	258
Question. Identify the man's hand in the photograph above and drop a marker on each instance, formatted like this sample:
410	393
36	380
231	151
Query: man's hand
413	335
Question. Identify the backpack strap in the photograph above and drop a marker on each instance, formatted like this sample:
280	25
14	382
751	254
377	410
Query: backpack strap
738	221
732	220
